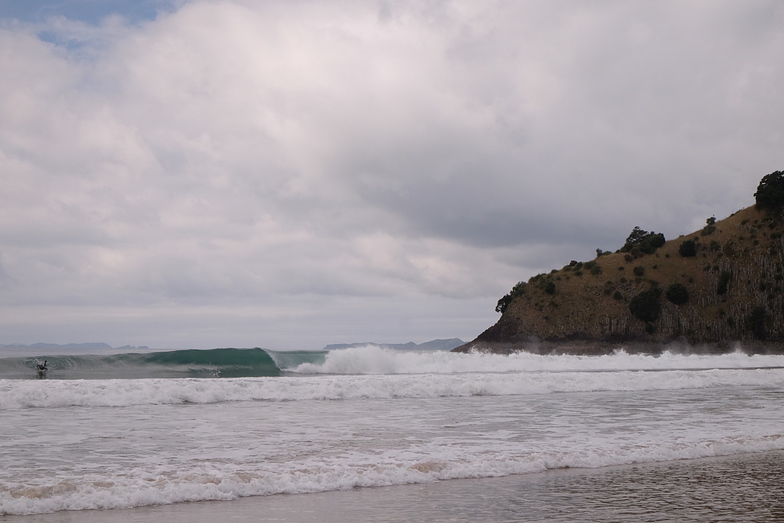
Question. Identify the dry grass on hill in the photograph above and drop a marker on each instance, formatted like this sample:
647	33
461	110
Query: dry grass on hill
736	271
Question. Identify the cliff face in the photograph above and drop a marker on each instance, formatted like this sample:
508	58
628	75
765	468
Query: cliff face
716	287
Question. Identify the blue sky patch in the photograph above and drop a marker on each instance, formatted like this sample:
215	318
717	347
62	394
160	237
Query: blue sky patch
88	11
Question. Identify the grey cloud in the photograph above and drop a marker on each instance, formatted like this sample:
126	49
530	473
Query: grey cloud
333	158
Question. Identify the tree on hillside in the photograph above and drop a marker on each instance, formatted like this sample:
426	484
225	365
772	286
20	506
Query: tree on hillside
770	192
503	303
642	242
710	226
506	299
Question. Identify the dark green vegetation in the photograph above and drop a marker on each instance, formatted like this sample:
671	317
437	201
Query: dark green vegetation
677	294
642	242
688	249
715	287
517	290
646	305
770	192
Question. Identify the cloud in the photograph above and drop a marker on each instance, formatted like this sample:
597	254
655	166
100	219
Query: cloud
323	156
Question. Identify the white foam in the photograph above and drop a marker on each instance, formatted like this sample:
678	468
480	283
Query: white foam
141	487
20	394
375	360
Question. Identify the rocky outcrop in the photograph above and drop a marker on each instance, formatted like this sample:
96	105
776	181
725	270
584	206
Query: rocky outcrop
715	289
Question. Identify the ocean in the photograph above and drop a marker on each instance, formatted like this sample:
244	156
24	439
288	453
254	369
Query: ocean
160	428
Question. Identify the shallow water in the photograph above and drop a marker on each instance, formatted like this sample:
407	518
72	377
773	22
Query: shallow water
747	488
743	488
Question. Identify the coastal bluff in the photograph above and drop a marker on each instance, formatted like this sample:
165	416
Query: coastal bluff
718	289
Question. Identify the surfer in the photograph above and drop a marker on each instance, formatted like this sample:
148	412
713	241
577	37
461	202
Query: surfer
41	368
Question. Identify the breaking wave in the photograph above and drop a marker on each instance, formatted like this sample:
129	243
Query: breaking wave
20	394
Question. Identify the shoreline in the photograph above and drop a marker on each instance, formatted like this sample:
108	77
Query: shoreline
635	492
605	348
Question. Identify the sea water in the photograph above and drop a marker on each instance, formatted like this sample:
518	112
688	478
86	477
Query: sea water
106	431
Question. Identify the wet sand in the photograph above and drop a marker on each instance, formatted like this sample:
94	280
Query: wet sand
738	489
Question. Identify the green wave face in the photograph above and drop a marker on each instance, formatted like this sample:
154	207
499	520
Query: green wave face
225	363
191	363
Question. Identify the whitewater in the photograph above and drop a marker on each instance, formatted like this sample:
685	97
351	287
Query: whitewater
108	431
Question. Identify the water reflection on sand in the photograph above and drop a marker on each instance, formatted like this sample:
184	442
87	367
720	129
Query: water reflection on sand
744	488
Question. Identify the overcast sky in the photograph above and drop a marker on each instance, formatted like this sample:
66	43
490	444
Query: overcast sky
292	173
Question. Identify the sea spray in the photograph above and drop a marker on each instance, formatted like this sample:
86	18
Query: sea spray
374	360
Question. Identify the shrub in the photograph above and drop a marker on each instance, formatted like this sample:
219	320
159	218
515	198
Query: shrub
646	306
617	295
688	249
550	287
677	294
592	267
639	271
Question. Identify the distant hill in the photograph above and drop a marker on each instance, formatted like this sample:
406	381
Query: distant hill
710	290
56	346
70	347
447	344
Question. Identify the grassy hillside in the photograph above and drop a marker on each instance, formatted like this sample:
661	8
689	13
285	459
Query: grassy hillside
717	287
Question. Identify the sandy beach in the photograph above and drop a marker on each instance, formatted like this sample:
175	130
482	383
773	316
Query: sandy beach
736	488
